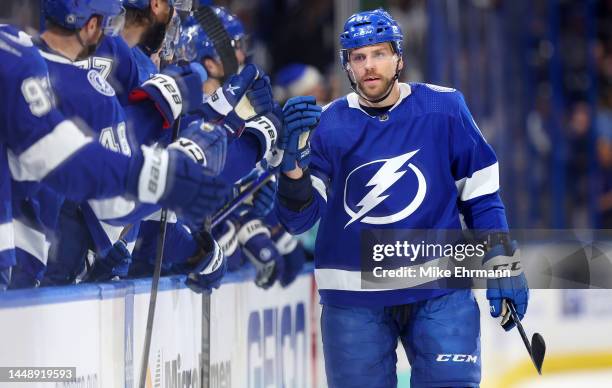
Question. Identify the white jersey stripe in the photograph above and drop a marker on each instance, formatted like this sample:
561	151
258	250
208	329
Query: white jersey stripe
31	241
482	182
7	236
47	153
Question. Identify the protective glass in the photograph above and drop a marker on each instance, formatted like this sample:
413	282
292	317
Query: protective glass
171	39
112	25
183	5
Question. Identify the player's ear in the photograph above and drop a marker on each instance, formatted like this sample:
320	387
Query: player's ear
401	63
92	25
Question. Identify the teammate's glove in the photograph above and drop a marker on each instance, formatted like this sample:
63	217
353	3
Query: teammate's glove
115	264
300	116
242	97
266	128
209	265
176	91
261	203
514	289
171	179
292	251
205	143
257	246
227	237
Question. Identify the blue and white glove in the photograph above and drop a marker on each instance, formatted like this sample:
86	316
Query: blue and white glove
115	264
506	255
300	116
258	247
204	143
226	234
177	90
173	180
242	97
292	251
209	265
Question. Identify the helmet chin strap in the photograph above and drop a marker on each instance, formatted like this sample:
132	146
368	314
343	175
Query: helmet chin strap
355	87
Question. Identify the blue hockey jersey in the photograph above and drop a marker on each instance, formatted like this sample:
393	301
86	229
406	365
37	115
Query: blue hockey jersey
38	143
115	62
418	166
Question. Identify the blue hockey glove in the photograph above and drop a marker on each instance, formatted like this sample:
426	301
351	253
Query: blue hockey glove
173	180
259	248
293	253
300	116
204	143
115	264
242	97
266	128
261	203
209	265
176	91
514	289
227	237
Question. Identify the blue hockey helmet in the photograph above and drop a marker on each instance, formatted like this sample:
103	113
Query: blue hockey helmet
73	14
194	44
181	5
231	23
368	28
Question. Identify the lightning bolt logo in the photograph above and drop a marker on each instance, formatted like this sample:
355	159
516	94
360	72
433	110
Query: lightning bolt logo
386	176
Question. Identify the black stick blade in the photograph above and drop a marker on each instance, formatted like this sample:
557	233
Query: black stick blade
538	350
222	42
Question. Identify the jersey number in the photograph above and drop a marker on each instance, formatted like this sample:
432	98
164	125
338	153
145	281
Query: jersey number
36	94
109	140
102	65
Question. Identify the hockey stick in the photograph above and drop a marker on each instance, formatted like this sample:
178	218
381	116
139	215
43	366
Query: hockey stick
159	256
222	42
537	347
222	214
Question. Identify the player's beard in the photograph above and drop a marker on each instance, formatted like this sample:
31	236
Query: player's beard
87	50
153	38
384	86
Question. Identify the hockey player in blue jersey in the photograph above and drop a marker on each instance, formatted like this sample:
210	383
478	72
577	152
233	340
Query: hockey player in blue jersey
84	94
42	145
403	156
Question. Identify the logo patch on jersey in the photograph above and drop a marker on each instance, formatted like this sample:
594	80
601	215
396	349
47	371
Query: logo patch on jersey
99	83
389	195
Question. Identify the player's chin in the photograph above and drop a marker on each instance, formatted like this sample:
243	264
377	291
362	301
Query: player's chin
373	93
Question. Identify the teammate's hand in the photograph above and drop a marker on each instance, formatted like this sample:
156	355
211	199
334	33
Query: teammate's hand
300	116
293	253
242	97
259	248
226	235
173	180
176	91
205	144
209	265
261	203
512	289
115	264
